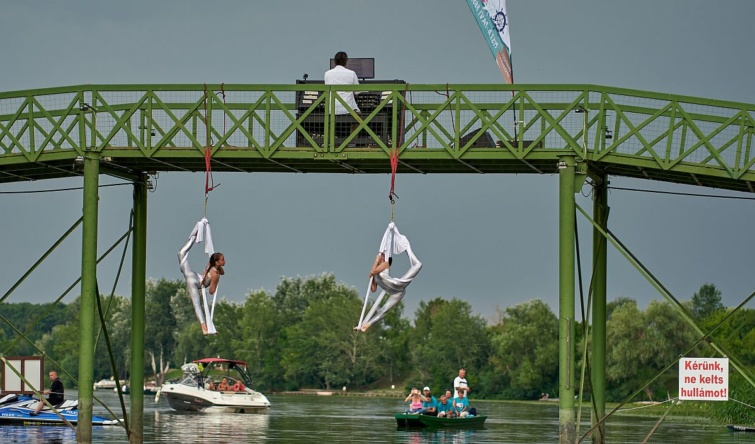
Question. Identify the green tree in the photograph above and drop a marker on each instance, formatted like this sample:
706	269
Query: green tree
160	321
456	339
293	295
117	313
62	344
394	334
21	315
706	301
323	349
525	344
639	345
257	342
318	346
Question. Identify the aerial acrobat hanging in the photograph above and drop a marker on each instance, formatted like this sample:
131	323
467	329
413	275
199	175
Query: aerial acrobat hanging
380	277
210	277
393	243
207	281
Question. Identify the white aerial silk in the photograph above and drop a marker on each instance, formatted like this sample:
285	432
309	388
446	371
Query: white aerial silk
195	283
393	243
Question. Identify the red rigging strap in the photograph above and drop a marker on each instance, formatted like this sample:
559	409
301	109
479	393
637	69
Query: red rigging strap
393	153
394	165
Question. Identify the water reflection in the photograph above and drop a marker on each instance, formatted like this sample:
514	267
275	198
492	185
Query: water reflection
37	435
171	426
442	436
335	420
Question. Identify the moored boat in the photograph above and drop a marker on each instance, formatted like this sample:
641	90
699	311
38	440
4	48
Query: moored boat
740	428
193	391
19	409
105	384
415	420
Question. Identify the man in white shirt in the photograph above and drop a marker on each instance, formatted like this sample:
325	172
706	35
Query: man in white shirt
460	383
340	75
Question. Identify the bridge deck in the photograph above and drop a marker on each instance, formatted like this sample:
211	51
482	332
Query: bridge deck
490	129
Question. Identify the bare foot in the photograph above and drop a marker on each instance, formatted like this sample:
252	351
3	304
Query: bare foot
204	328
365	326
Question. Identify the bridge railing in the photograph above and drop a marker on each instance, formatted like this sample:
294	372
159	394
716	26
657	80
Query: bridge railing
601	124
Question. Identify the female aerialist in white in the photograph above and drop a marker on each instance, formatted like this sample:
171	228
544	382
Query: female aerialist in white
209	279
380	276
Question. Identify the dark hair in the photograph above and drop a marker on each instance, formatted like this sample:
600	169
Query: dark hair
214	258
341	58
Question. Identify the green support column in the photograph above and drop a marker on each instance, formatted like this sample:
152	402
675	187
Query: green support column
88	295
566	377
598	358
138	278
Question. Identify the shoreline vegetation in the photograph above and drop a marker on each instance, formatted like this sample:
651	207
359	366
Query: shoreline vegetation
301	337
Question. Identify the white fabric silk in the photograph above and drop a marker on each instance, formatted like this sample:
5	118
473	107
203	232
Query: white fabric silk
194	281
394	287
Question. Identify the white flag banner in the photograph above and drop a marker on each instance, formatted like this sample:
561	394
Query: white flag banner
493	20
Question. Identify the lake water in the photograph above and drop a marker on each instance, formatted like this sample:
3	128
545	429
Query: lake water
334	419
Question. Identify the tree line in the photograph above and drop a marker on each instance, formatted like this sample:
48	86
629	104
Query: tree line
301	336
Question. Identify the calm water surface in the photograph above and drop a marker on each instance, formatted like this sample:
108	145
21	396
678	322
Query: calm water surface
298	419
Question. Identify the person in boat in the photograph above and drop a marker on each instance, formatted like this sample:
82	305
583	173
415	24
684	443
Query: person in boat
395	288
194	281
211	385
445	407
461	404
429	407
223	385
460	382
238	386
56	392
415	399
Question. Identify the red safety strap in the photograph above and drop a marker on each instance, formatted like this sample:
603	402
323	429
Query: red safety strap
394	166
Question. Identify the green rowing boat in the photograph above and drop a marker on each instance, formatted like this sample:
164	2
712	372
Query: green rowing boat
415	420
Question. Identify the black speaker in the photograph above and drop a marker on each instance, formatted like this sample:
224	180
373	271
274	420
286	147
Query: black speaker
484	141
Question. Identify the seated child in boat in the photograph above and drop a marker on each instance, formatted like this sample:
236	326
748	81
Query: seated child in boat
461	404
238	386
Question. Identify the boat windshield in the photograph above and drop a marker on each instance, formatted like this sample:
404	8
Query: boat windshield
230	371
191	380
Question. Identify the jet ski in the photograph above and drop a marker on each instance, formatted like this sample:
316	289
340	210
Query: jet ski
18	409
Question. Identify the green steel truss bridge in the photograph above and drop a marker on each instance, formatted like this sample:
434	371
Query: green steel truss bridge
436	128
576	131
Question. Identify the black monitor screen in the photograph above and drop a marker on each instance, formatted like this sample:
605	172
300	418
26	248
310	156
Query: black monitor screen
365	68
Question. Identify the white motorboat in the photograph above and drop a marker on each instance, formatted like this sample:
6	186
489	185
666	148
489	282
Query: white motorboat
193	392
104	384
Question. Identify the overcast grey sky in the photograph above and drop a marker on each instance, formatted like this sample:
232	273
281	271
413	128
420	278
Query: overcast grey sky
491	240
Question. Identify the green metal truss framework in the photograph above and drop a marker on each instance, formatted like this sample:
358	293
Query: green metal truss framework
508	129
